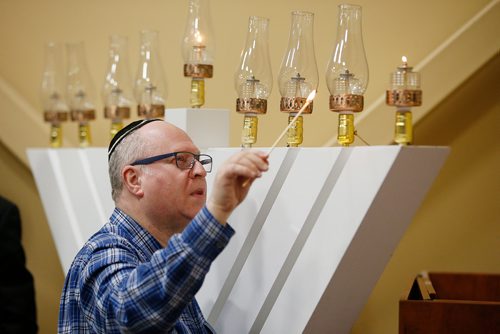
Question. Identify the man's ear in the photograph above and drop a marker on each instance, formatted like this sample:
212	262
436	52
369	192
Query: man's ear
132	181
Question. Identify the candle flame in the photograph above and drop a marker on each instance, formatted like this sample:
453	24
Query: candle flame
199	38
404	59
311	96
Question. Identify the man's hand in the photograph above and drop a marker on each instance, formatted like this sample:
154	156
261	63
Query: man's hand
233	181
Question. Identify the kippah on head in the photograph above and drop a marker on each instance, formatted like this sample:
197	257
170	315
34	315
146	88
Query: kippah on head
120	135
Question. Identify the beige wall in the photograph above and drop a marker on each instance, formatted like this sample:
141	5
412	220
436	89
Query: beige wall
454	229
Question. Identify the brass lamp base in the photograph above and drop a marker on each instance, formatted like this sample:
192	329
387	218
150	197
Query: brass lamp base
249	132
198	70
82	115
55	116
294	104
295	134
346	102
114	112
404	97
251	105
346	105
151	110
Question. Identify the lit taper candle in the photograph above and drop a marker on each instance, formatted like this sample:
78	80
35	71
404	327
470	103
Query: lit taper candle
404	93
198	49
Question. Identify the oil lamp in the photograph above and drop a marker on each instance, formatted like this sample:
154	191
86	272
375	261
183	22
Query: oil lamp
253	79
404	92
55	109
150	88
80	92
198	49
347	72
117	88
298	75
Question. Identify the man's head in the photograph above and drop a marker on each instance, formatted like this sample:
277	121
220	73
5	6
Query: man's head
160	193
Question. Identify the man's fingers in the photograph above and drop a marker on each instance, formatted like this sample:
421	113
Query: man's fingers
255	159
247	166
245	171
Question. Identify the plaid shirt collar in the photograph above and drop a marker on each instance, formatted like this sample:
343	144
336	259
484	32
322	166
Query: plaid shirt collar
135	233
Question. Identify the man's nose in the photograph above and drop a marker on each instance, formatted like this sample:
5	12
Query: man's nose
198	169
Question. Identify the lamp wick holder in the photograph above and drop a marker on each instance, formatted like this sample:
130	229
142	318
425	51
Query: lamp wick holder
83	116
55	118
250	107
292	105
149	109
116	114
198	73
346	105
404	98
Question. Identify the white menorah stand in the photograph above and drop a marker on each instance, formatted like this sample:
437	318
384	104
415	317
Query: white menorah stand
312	237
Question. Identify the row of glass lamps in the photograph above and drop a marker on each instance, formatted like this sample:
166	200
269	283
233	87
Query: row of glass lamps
70	93
346	77
73	95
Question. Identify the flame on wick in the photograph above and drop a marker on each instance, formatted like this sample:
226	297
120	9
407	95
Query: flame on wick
404	60
311	96
199	37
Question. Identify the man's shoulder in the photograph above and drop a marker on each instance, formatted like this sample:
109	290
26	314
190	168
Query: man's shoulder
115	232
106	239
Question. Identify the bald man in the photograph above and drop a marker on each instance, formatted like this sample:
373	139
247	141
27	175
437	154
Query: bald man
141	271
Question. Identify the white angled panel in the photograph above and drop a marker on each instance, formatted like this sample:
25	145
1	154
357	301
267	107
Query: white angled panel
58	207
350	197
361	224
81	190
312	237
247	220
284	222
98	176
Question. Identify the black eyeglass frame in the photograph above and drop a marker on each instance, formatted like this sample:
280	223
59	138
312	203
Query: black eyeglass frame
203	159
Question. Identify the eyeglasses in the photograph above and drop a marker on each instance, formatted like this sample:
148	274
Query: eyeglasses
183	160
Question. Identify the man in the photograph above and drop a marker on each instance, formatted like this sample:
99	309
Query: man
17	292
141	271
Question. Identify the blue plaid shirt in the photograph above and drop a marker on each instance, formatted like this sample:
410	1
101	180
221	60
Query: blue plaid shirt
123	281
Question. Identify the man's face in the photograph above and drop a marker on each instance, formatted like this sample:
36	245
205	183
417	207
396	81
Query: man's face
172	196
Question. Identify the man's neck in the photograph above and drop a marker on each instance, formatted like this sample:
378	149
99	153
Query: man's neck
160	231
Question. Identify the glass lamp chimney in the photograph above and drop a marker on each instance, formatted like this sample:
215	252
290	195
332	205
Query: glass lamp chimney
198	49
55	109
298	75
253	79
80	92
150	88
117	88
347	72
404	92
